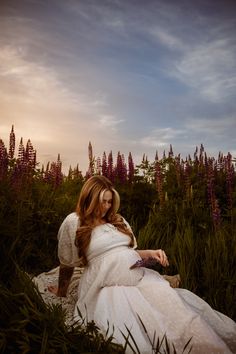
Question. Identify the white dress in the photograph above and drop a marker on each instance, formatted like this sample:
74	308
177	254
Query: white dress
140	300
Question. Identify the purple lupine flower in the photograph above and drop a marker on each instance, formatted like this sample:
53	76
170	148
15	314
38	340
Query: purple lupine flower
19	170
121	169
210	180
159	183
3	160
29	159
70	174
201	165
90	171
110	169
195	153
130	168
145	262
47	174
59	175
77	174
12	143
213	202
229	180
220	162
187	178
53	173
124	169
156	156
171	154
29	153
216	213
104	164
178	169
21	151
90	152
201	151
99	166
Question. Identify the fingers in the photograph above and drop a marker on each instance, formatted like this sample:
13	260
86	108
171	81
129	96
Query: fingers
163	258
53	289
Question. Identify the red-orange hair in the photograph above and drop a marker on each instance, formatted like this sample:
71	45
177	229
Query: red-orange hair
89	210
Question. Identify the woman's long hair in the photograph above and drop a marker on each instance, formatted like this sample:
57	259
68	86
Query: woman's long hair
89	210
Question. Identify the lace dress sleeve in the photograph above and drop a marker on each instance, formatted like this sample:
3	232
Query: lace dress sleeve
67	251
134	238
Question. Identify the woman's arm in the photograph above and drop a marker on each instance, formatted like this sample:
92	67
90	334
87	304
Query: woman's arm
65	274
160	256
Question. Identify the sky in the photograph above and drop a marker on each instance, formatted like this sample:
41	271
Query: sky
126	75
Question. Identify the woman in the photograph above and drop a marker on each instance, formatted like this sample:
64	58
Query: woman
131	300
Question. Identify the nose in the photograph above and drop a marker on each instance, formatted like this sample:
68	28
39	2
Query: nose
106	205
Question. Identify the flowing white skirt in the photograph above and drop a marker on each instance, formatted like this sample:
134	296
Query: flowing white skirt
141	302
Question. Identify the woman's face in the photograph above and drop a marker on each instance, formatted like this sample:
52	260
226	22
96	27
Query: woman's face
106	202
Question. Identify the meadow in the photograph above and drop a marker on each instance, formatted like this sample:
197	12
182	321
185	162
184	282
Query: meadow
186	206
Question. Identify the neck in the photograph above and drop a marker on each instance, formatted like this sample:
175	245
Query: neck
98	222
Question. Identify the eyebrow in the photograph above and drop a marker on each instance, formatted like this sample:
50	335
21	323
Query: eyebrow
104	198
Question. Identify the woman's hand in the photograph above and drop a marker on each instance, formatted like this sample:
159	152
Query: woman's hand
54	290
160	256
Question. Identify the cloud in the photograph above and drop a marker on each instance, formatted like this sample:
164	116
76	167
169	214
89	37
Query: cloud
217	127
109	121
74	70
34	81
161	137
209	68
167	39
41	107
